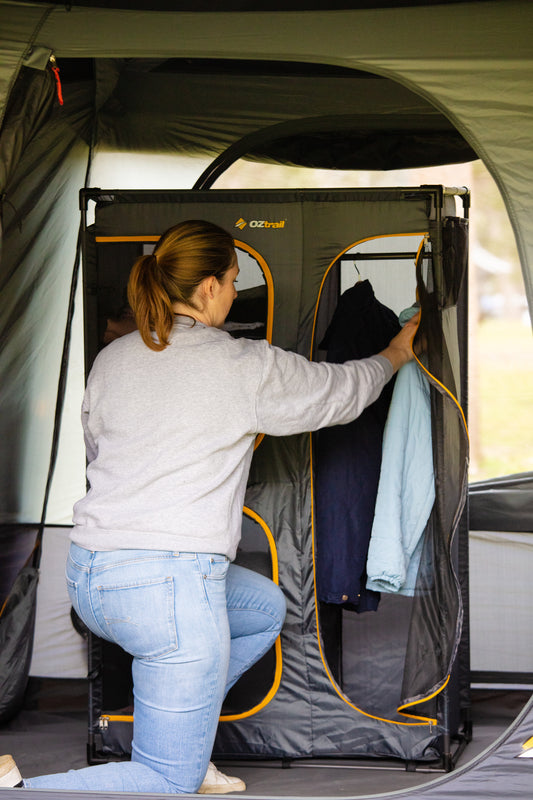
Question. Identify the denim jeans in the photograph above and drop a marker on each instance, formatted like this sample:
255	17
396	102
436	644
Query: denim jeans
193	623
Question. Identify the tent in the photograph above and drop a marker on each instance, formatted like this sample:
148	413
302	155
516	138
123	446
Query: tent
370	85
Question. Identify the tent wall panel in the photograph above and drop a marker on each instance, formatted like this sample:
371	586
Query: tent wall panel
58	650
38	254
501	640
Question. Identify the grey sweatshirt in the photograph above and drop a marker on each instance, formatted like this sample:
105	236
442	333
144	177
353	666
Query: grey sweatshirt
169	435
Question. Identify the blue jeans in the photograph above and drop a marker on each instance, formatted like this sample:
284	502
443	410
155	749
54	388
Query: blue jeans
193	623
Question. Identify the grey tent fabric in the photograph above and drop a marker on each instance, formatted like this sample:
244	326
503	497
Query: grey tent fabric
38	255
472	61
17	621
315	116
502	505
255	5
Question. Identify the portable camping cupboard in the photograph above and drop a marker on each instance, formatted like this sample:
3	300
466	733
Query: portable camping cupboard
399	684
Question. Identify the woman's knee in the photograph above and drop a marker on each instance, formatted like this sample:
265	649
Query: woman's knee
248	590
278	603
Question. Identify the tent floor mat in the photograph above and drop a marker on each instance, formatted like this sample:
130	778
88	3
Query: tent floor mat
50	735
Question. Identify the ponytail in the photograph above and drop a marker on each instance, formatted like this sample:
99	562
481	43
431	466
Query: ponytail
150	303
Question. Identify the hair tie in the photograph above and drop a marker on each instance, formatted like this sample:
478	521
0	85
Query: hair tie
152	260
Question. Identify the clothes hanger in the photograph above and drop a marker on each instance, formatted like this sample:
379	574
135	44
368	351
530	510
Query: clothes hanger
360	277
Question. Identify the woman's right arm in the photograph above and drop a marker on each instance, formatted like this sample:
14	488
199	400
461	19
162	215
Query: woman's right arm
296	395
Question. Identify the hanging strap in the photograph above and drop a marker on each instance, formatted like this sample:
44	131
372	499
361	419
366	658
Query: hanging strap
62	383
55	70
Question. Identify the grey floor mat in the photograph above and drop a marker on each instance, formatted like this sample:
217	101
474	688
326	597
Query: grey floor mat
50	738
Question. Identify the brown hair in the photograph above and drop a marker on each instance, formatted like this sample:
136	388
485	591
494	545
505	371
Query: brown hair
184	255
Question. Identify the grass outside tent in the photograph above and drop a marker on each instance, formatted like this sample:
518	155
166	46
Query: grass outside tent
502	381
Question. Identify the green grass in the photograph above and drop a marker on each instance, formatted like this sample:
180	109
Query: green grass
501	399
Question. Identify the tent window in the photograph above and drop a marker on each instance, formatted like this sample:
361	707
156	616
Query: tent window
249	314
106	297
388	263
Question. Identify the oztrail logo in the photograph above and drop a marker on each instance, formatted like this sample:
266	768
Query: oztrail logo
259	223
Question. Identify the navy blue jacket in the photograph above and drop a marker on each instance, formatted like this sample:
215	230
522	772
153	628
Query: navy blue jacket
348	457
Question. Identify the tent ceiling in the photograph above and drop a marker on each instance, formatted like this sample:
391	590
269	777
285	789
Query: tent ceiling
248	5
302	114
473	61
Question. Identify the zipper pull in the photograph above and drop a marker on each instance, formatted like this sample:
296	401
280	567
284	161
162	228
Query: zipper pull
55	70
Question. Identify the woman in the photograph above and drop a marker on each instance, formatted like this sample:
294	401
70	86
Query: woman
170	415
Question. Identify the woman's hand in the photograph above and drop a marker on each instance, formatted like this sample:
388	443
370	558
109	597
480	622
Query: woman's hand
400	349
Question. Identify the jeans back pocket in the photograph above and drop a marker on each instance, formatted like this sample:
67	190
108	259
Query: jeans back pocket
140	616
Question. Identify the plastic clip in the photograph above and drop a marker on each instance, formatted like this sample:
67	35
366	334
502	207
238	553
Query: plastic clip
55	70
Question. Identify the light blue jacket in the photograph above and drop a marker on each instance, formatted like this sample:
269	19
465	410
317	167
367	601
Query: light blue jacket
406	490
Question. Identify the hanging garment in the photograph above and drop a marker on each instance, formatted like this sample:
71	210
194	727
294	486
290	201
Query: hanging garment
348	457
406	490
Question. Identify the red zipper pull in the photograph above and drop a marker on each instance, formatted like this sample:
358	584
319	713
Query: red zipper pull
55	70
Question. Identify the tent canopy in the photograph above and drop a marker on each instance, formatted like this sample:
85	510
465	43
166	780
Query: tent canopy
444	81
311	115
